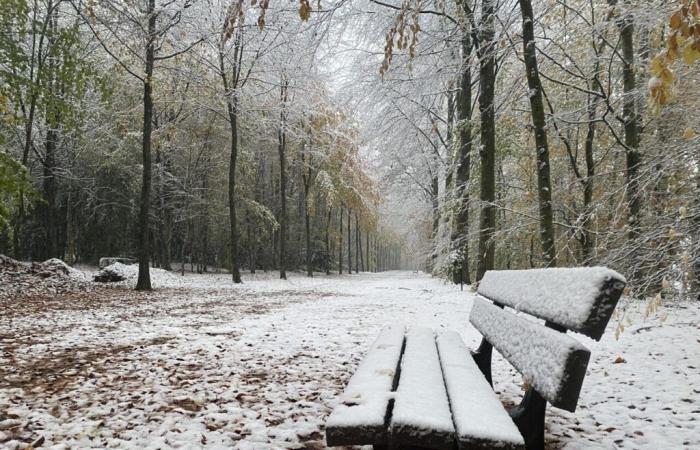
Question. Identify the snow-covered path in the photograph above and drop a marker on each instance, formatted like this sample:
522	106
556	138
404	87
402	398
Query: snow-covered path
200	363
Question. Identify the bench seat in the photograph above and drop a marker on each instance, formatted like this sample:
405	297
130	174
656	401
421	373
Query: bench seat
421	388
361	416
479	417
442	400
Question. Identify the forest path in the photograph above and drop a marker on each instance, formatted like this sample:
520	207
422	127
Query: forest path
203	363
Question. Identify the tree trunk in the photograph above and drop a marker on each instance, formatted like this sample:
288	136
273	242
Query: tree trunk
233	117
460	230
695	255
487	152
327	259
367	257
50	225
435	200
232	110
629	113
340	243
251	244
282	144
306	179
587	242
349	242
307	227
359	261
544	185
144	279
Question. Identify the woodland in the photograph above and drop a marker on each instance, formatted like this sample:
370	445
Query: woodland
354	135
211	209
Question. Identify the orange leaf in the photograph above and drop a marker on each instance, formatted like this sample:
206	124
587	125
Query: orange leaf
676	20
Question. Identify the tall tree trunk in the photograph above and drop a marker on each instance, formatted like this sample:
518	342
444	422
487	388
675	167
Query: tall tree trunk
588	242
50	249
695	254
307	227
449	175
358	246
544	185
144	248
230	91
629	113
367	256
487	151
460	230
233	117
349	242
50	191
282	144
435	200
328	241
306	179
340	243
205	221
251	244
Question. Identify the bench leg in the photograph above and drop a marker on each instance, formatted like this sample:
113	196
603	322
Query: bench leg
482	358
529	418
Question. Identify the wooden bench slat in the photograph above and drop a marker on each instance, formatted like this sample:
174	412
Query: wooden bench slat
361	417
580	299
479	417
421	415
553	362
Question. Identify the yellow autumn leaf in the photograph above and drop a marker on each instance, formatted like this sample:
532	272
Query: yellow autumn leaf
690	54
657	65
689	133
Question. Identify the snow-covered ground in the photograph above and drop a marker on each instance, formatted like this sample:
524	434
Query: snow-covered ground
201	363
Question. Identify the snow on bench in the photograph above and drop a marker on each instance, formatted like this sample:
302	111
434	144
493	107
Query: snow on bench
554	363
580	299
421	415
361	418
478	415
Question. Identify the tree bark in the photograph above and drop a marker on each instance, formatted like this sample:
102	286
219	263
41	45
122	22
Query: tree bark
359	261
328	242
588	242
544	185
230	91
144	279
695	255
307	227
306	179
435	200
487	152
50	190
629	113
460	231
367	257
282	144
340	243
349	242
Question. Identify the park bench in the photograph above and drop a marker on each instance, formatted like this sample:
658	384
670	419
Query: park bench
416	389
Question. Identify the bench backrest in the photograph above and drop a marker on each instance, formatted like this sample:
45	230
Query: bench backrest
577	299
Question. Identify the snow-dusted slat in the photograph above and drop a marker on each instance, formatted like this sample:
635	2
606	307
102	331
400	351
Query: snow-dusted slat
478	415
553	362
581	299
421	416
361	417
